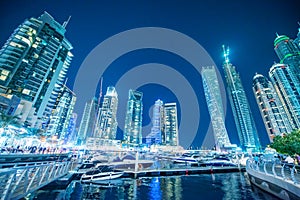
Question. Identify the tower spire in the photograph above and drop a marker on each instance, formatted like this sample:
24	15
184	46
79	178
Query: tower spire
226	53
66	22
100	95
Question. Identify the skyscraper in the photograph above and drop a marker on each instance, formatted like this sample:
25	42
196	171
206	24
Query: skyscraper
170	131
215	106
287	87
61	115
288	52
106	127
270	106
133	121
240	107
87	124
33	64
155	136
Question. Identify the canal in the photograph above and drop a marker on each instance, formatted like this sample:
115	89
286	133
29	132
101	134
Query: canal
227	186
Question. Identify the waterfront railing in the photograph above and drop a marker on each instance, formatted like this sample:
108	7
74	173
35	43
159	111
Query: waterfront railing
278	178
23	178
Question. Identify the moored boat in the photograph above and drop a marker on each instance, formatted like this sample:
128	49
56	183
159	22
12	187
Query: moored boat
101	174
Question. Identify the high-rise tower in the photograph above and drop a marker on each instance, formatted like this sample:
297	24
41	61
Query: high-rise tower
288	52
133	121
34	62
240	107
61	115
270	106
87	124
287	87
106	127
155	136
170	130
215	106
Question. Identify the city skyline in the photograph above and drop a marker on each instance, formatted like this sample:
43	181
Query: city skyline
237	39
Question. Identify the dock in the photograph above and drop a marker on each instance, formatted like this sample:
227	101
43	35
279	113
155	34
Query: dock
180	171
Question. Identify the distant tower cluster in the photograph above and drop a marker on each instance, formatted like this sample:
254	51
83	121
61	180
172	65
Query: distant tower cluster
164	129
133	120
279	98
240	107
215	106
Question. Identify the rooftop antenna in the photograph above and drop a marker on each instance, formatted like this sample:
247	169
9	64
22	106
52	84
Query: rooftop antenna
226	53
66	22
66	81
277	34
100	95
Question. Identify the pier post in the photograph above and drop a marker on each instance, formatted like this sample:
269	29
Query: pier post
136	164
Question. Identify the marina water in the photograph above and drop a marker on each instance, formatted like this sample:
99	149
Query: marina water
227	186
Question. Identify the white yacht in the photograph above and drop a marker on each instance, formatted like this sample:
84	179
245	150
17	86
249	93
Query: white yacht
100	174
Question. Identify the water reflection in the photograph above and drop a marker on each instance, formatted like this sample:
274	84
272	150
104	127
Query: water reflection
229	186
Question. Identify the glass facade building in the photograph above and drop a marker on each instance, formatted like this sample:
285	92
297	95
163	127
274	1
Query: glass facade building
215	106
288	52
271	109
170	130
240	107
88	120
106	126
287	87
61	115
34	62
155	136
133	120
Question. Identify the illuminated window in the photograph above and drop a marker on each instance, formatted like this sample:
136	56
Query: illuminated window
4	74
26	91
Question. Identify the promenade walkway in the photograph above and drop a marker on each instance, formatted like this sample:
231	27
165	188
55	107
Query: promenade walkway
279	179
20	175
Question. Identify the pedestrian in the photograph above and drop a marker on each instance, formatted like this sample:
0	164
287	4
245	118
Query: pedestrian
289	160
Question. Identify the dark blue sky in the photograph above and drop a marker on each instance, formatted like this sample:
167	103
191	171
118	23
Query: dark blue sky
248	27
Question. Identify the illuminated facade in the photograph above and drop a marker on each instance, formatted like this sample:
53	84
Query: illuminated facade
287	87
155	136
87	124
270	106
33	64
61	115
240	107
71	135
288	52
107	119
164	125
215	106
170	125
133	121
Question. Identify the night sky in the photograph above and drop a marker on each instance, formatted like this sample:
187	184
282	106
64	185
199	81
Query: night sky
248	28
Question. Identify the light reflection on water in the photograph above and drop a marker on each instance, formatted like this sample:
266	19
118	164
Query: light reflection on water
228	186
